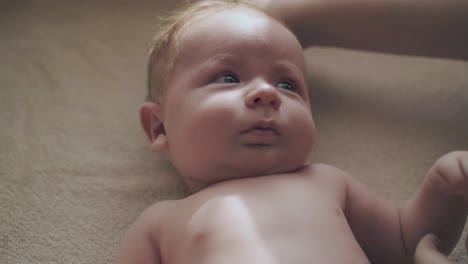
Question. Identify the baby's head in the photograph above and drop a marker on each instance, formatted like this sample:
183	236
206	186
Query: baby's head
227	94
167	41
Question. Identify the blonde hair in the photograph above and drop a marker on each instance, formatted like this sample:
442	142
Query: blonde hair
166	43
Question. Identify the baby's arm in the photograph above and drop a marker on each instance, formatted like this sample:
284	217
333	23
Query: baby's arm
390	235
375	224
139	245
437	28
440	206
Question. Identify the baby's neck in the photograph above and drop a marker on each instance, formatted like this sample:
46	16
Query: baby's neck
196	186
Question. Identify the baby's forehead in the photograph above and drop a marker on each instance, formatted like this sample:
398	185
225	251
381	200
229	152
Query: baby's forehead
237	30
215	21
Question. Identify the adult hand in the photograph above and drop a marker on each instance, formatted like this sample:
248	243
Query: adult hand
435	28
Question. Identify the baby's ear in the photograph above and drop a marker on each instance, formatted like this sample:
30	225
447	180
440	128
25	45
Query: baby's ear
152	123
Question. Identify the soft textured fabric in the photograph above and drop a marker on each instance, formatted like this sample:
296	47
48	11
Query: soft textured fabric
75	167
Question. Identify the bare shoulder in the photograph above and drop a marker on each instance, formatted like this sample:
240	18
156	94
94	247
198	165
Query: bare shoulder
330	179
152	221
155	210
328	173
157	213
141	242
325	168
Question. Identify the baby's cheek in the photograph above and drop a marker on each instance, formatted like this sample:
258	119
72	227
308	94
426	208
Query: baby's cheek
301	135
217	114
303	124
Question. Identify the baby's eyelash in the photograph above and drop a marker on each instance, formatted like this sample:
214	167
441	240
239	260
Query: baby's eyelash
287	85
228	77
225	77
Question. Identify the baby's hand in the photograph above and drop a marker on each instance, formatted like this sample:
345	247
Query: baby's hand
466	244
427	251
450	174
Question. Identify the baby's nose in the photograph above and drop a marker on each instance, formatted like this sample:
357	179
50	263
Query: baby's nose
263	94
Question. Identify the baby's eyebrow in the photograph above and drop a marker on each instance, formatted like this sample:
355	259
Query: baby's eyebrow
220	60
224	58
289	68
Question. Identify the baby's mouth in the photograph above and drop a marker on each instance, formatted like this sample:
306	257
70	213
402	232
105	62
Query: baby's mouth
261	131
263	127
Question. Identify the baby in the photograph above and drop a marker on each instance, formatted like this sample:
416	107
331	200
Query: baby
228	104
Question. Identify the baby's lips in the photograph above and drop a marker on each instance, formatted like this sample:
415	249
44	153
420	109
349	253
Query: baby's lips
263	124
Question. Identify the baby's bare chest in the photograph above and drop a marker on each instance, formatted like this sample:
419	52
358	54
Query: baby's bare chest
264	224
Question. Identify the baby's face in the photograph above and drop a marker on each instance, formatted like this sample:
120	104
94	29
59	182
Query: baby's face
237	103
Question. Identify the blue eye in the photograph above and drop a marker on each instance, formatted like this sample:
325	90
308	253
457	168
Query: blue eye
286	85
228	78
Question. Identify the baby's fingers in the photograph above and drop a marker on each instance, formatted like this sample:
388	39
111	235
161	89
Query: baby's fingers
450	174
466	244
464	169
428	253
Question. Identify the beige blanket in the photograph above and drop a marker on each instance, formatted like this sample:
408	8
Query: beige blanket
75	167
